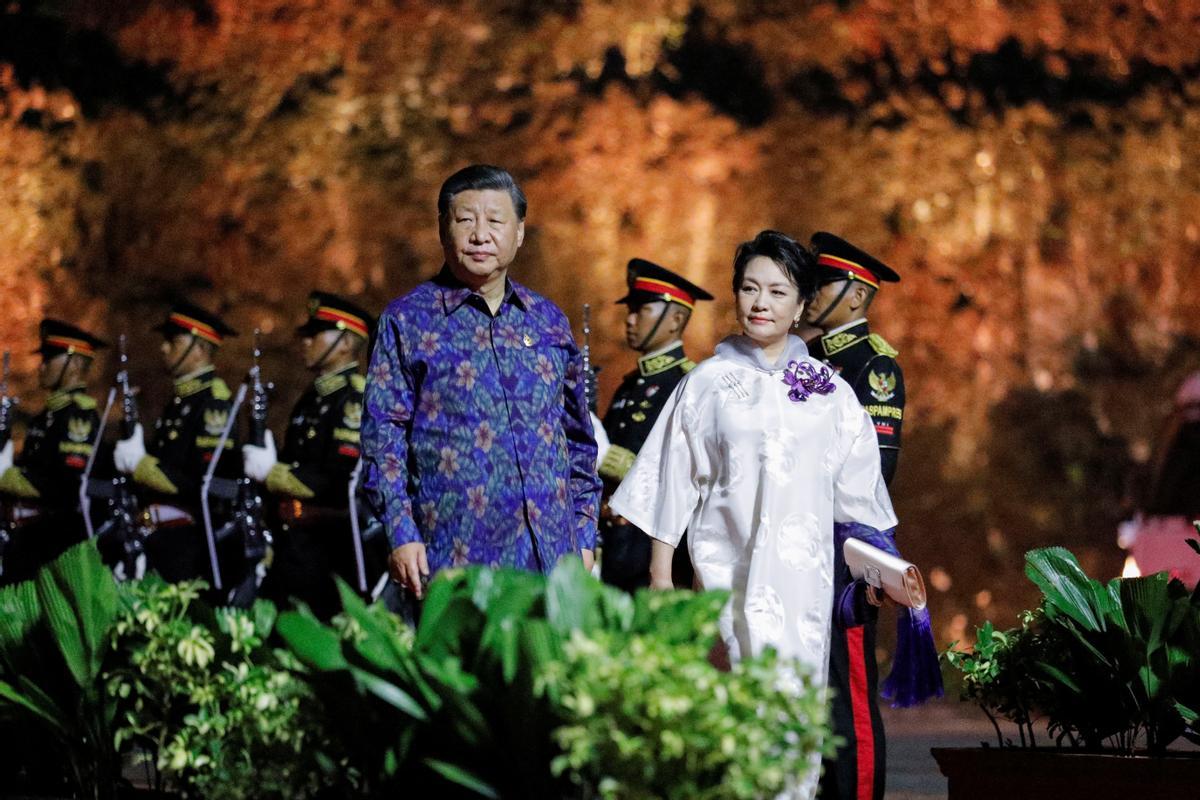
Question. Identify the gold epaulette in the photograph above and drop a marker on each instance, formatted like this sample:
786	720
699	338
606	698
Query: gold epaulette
220	389
13	482
281	480
617	461
86	402
688	365
881	346
358	382
148	473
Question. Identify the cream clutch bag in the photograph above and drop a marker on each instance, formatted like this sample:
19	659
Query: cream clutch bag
900	579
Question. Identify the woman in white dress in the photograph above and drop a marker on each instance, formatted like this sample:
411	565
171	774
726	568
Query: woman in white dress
760	450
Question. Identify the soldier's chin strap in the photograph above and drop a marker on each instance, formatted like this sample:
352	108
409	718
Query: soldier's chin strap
816	323
62	373
641	347
319	364
186	352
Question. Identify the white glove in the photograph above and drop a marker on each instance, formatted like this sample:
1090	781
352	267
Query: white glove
6	457
128	453
602	443
257	461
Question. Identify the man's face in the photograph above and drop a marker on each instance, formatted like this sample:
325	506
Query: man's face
480	235
316	348
640	321
827	295
51	370
177	347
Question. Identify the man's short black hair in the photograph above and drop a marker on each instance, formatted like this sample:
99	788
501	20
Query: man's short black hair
797	261
479	177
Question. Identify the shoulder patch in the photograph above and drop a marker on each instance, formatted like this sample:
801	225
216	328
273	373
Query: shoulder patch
358	382
86	402
220	389
881	346
883	385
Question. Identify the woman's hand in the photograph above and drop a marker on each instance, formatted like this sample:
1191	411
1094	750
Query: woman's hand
660	583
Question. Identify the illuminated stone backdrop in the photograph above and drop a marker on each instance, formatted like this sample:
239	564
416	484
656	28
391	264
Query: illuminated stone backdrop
1030	168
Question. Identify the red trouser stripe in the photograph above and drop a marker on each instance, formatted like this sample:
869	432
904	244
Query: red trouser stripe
864	735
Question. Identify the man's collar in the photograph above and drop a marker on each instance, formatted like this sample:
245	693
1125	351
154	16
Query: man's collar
662	359
454	292
851	324
62	398
195	381
844	336
333	380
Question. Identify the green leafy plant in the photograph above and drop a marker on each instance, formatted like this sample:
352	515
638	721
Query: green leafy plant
225	713
55	633
493	695
646	715
1107	665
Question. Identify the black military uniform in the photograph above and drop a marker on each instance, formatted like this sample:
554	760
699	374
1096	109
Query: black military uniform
178	454
314	537
868	363
42	489
625	560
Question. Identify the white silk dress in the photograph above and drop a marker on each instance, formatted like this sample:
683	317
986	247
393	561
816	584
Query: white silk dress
757	480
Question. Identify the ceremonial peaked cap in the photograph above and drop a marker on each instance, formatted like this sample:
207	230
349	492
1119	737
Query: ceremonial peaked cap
63	337
188	318
652	282
328	312
838	260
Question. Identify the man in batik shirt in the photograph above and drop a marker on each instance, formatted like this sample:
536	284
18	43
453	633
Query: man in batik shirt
476	434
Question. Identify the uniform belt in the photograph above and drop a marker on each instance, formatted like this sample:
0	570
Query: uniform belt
161	515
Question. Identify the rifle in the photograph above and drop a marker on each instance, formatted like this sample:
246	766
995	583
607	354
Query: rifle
248	518
359	535
124	519
591	387
249	514
7	404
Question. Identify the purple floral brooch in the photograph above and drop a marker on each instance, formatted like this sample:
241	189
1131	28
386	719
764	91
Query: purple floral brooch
804	380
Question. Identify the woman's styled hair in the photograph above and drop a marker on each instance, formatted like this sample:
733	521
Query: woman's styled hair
479	177
796	261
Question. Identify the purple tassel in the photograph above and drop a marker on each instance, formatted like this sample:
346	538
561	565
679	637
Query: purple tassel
916	673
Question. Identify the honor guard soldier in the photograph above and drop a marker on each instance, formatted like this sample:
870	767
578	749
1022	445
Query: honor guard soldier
660	305
310	476
169	470
850	278
43	487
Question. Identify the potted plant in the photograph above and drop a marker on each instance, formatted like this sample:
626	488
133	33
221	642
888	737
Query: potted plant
1111	670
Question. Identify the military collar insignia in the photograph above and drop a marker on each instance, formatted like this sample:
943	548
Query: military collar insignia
656	363
330	382
844	337
188	385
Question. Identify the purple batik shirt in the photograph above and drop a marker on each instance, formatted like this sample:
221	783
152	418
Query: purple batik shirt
476	435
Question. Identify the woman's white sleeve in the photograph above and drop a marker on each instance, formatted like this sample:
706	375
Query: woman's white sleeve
860	494
664	486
